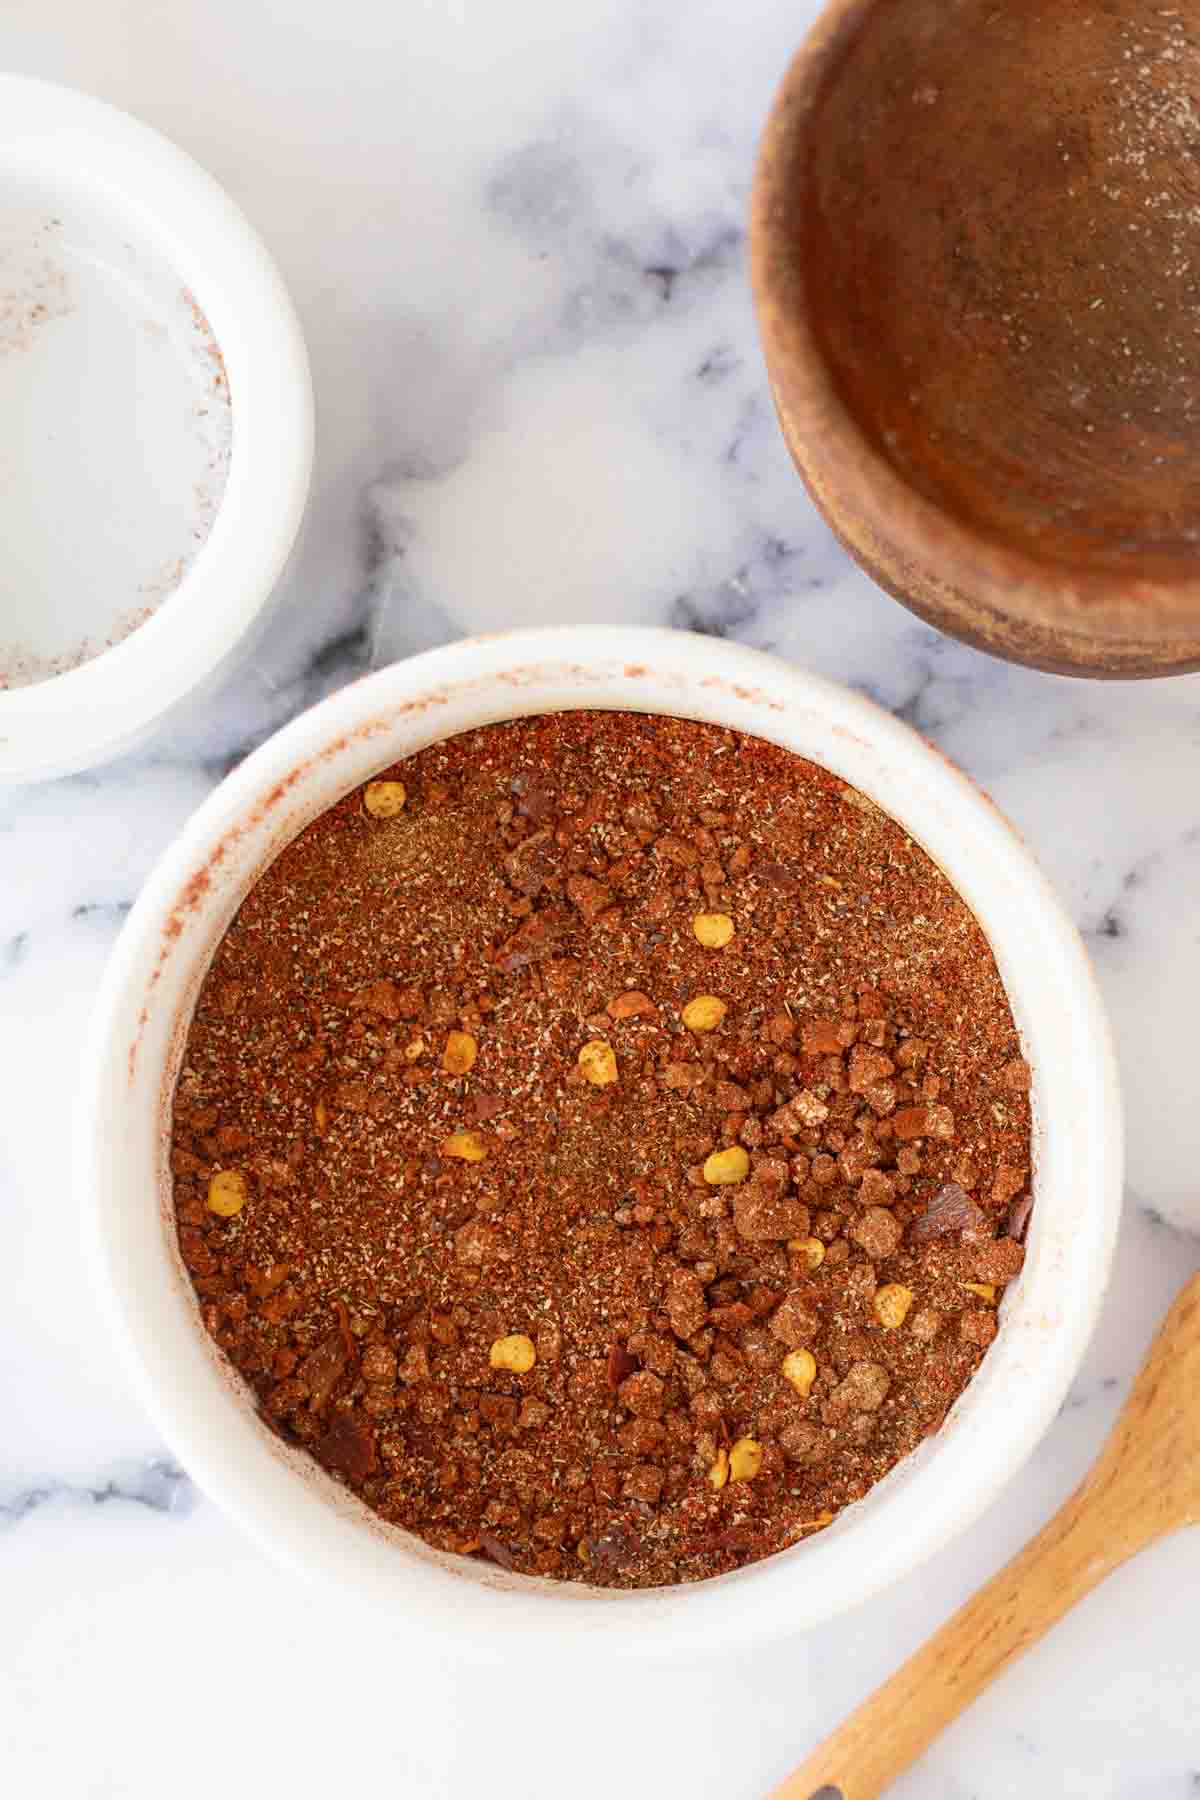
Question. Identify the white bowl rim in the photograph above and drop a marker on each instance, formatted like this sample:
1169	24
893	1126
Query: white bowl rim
88	713
310	1523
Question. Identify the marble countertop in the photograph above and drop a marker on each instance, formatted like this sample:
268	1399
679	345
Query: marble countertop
515	236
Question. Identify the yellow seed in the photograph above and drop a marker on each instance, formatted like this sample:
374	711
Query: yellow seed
320	1117
227	1193
726	1166
385	799
597	1063
468	1146
718	1475
892	1304
515	1353
414	1050
984	1289
713	930
704	1013
582	1552
460	1053
818	1524
811	1249
745	1459
800	1371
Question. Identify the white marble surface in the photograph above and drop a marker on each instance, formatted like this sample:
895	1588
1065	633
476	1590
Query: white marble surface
515	237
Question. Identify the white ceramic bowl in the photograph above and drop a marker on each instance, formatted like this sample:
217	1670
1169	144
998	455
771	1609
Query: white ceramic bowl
300	1514
133	233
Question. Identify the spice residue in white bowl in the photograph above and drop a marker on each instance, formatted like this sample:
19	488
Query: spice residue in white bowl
117	428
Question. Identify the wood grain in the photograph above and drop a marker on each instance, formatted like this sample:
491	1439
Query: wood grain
1145	1484
966	235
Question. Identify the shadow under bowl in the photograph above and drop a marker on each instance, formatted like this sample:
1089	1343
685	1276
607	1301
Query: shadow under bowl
976	257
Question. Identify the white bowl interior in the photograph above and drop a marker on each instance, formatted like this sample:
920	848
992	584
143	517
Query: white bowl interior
278	1494
136	467
116	414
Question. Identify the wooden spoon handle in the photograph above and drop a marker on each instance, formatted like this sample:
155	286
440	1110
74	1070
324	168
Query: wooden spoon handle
1017	1607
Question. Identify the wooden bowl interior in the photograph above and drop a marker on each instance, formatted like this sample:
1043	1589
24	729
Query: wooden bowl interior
995	206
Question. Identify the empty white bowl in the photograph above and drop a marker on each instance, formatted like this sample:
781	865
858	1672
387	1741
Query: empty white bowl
300	1514
156	428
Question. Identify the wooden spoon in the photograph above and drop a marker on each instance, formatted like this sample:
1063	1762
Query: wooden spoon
1145	1483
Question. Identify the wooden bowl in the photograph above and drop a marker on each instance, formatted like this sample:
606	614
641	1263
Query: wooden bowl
976	259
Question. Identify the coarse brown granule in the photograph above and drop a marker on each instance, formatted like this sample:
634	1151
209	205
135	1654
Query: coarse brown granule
411	1236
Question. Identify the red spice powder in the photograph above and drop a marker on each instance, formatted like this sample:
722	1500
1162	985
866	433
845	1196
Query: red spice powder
563	1237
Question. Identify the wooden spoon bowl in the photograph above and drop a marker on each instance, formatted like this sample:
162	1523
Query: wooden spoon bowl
976	256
